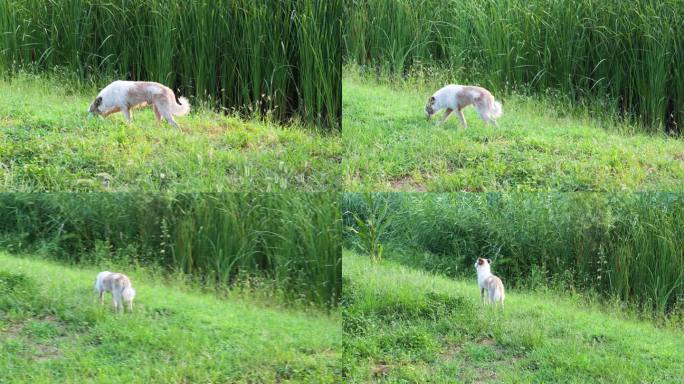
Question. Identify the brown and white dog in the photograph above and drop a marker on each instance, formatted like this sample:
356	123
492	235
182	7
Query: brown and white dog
456	97
123	96
120	287
491	283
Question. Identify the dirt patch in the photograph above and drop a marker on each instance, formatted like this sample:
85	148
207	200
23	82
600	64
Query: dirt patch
406	183
380	370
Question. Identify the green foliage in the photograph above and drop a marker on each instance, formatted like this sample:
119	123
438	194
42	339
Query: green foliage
290	239
405	325
625	56
625	245
370	226
176	333
279	58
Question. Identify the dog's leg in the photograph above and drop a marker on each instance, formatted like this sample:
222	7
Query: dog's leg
117	300
459	113
169	118
482	296
157	115
101	297
113	110
127	114
447	113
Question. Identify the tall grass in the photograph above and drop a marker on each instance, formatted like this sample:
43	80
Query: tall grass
627	245
625	56
290	239
280	57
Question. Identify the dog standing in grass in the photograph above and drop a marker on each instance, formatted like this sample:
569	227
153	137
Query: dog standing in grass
456	97
120	287
123	96
493	285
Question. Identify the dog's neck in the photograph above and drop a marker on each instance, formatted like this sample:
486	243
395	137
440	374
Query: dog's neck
483	272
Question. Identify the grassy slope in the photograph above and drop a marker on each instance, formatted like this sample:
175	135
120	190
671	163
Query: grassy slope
424	328
173	335
389	145
46	143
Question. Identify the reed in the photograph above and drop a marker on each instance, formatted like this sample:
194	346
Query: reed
278	58
623	56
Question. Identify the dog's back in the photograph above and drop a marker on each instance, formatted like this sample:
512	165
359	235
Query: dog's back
118	284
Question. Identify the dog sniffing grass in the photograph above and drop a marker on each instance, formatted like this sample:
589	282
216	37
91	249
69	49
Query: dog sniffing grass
389	146
48	144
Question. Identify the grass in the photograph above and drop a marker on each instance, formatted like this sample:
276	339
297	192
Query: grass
47	144
625	55
403	325
279	58
53	330
389	146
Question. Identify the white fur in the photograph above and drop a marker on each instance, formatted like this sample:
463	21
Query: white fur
491	283
454	98
120	287
125	95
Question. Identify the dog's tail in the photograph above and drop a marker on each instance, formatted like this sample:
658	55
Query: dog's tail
180	107
496	110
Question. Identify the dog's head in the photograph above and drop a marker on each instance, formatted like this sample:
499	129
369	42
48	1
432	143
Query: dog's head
430	107
95	107
482	263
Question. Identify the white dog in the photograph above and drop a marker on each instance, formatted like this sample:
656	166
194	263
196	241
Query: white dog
120	287
125	95
456	97
491	283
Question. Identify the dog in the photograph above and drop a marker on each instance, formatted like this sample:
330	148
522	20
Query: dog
120	287
123	96
491	283
456	97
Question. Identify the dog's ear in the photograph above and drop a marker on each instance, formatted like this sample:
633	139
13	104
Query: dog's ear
98	101
432	99
489	261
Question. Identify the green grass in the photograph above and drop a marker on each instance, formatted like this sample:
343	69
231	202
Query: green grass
402	325
47	144
389	146
53	330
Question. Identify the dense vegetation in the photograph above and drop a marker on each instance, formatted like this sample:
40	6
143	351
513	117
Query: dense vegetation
290	241
52	330
628	246
280	57
622	56
403	325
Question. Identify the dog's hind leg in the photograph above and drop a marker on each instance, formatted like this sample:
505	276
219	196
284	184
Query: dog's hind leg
169	118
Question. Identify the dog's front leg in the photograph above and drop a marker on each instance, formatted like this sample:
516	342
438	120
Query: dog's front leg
101	297
447	113
459	113
127	114
482	296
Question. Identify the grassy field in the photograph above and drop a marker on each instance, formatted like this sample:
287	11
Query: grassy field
47	144
389	146
403	325
53	330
